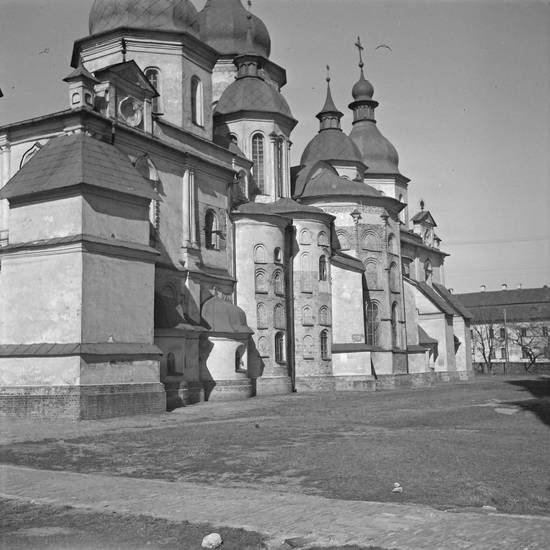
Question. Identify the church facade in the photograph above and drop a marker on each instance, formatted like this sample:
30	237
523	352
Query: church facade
157	248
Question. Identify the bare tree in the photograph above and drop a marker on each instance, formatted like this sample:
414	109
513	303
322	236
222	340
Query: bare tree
530	338
484	343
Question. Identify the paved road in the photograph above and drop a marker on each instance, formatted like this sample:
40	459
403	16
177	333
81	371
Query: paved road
283	515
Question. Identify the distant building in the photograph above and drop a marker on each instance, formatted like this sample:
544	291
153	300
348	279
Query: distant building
510	329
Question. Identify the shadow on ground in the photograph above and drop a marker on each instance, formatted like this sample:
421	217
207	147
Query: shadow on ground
539	388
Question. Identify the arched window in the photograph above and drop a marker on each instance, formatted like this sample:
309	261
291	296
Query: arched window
402	213
394	277
278	256
279	165
197	102
323	271
153	76
324	316
307	347
371	241
263	347
260	254
239	363
305	236
260	281
170	364
428	270
280	347
324	345
343	239
211	230
279	282
371	273
261	316
394	326
307	316
279	316
259	161
305	273
322	239
372	323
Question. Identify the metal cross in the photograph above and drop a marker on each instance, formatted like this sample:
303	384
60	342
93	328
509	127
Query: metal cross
359	46
328	73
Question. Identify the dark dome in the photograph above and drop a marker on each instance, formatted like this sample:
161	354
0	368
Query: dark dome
166	15
377	152
363	90
222	316
224	27
252	94
332	145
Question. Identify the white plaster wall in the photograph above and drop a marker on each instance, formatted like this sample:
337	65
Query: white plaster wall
144	371
347	306
45	220
39	371
440	328
118	299
463	356
41	297
411	314
418	362
352	363
220	362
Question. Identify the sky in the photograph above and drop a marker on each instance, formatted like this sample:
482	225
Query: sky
464	93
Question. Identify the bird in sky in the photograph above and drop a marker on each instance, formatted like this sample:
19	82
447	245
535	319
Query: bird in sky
383	46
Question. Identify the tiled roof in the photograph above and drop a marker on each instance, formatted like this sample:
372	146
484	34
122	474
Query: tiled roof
252	94
453	301
70	160
529	304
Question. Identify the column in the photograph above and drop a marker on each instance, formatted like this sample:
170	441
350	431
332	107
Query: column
186	210
192	209
5	175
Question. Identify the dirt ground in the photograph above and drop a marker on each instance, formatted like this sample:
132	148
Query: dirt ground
471	445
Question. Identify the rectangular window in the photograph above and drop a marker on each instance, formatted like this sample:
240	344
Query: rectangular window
492	354
503	353
523	331
524	354
491	333
502	333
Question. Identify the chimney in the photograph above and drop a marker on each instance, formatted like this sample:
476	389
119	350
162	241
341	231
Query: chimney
504	286
483	288
519	286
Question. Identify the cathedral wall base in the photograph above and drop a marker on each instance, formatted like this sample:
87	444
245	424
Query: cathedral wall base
335	383
182	393
82	402
228	390
397	381
279	385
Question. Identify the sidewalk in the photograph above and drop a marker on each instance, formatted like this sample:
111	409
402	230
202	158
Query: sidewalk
282	515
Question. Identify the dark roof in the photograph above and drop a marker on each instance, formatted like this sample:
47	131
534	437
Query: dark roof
529	304
70	160
130	72
290	206
252	94
453	301
423	215
221	316
433	296
331	144
81	73
329	107
344	260
424	338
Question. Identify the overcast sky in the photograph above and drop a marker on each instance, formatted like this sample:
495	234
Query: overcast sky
464	96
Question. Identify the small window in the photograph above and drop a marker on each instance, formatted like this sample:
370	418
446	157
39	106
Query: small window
261	316
279	283
428	271
324	345
502	333
258	160
305	274
197	99
372	323
322	239
305	236
307	347
395	326
307	316
153	76
260	254
523	332
343	239
503	353
524	353
280	347
492	354
371	241
323	268
279	166
279	316
260	281
211	231
278	256
491	333
391	244
324	316
394	277
263	346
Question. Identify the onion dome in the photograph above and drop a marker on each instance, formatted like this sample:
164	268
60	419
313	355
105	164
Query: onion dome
224	25
330	144
376	151
164	15
225	317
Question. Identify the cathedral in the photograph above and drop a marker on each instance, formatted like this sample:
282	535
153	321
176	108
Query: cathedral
157	248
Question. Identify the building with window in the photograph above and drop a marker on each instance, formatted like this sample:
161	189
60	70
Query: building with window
159	249
510	329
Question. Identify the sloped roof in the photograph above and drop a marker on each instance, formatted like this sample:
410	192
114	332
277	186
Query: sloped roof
433	296
290	206
224	317
345	260
331	144
70	160
424	338
423	215
453	301
529	304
